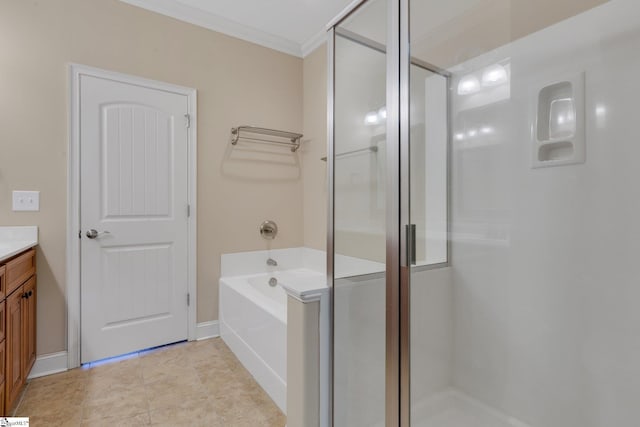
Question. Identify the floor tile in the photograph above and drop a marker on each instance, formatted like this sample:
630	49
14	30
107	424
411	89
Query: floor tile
192	414
174	392
139	420
125	403
197	384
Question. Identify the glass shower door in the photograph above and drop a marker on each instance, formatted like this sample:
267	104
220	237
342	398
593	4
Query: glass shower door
358	163
484	248
428	291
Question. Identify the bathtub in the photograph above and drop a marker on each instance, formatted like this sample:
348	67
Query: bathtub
253	323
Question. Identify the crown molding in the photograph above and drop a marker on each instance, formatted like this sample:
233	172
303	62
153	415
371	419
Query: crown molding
217	23
313	43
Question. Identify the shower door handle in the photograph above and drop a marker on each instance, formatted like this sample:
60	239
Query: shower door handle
411	244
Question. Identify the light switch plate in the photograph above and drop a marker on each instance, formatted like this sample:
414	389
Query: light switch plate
26	200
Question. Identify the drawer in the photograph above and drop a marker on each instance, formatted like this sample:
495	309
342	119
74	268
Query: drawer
20	269
3	282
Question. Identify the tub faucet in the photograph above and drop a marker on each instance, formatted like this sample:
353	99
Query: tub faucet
272	262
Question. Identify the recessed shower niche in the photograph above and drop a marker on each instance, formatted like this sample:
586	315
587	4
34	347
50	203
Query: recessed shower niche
559	137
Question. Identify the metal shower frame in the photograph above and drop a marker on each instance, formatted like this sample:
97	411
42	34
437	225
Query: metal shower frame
398	260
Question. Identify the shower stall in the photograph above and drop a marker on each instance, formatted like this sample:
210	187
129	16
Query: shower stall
484	232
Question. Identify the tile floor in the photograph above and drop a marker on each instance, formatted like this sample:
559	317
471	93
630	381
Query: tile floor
198	383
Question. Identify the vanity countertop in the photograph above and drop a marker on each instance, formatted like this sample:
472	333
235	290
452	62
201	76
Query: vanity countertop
14	240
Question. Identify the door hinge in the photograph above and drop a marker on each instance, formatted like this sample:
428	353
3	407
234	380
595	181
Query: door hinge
188	299
187	120
188	211
79	234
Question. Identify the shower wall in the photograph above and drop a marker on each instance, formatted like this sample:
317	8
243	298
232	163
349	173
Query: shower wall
544	261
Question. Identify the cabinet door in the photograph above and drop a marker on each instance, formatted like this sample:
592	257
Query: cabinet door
3	281
13	372
2	344
2	411
3	360
28	326
3	328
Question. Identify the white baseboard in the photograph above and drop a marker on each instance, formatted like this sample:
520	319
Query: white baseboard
53	363
48	364
210	329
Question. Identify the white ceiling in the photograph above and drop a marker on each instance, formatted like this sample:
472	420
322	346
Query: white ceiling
295	27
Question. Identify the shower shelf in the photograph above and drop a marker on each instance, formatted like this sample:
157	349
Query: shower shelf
559	124
258	134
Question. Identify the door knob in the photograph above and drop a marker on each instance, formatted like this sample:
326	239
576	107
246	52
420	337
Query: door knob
92	234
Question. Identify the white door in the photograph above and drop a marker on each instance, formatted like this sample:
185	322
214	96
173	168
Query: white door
134	193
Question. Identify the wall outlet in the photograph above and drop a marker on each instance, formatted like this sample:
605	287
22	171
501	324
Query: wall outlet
26	200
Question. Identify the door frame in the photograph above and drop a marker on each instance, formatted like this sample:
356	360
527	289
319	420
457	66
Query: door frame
73	198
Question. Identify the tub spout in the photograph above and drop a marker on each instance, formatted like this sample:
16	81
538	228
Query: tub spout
272	262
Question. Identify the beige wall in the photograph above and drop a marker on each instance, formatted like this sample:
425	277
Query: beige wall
314	170
237	83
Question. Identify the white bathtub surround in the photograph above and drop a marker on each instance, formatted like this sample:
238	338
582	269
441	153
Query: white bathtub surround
255	262
253	315
255	329
14	240
247	263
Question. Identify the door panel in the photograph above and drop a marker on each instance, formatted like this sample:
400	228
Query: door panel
134	193
140	285
137	163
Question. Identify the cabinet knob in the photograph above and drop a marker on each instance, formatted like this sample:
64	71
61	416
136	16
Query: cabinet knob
30	293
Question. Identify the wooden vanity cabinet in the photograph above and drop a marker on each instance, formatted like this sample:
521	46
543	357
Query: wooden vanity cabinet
3	357
3	282
3	334
18	326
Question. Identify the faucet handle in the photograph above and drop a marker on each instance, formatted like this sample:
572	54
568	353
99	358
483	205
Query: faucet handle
272	262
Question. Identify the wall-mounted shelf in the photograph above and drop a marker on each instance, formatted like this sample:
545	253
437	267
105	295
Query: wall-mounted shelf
264	135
